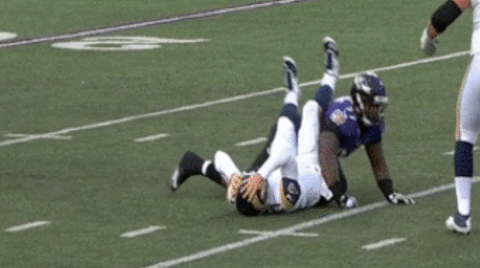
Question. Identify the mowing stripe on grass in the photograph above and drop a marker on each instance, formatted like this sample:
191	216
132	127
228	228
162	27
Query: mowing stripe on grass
215	102
384	243
298	227
143	24
26	226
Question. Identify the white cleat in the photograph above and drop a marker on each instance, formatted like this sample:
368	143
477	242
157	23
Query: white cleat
459	223
290	70
332	65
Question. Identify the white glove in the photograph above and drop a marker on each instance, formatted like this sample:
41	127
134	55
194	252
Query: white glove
427	44
348	201
400	199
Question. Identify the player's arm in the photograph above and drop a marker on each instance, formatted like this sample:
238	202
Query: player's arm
378	161
445	15
329	149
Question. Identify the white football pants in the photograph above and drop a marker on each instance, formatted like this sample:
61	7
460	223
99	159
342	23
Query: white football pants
468	104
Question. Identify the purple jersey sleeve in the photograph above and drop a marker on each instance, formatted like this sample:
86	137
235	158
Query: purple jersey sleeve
341	119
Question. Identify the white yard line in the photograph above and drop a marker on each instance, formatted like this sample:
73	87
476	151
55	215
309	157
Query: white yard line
152	138
53	137
143	231
27	226
383	243
256	232
212	103
298	227
452	152
139	25
251	142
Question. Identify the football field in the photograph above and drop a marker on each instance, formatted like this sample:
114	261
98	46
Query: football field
100	99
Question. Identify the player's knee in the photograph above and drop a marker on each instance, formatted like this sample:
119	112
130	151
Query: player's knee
310	107
463	159
290	111
324	95
290	193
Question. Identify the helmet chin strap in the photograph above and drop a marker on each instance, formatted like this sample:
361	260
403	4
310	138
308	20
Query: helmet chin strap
365	120
361	108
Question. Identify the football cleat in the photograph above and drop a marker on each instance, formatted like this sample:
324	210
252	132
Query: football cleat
290	70
332	66
190	164
459	223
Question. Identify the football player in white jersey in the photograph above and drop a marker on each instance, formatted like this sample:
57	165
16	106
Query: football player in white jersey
291	175
287	176
468	108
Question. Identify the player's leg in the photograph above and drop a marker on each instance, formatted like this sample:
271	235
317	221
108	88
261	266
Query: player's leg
225	166
467	130
326	91
283	149
309	187
191	164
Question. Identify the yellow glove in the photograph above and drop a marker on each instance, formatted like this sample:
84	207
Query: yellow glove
234	184
252	187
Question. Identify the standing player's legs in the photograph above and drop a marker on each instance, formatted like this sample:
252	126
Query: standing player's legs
467	130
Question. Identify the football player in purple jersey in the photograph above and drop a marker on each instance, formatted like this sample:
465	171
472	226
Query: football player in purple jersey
279	182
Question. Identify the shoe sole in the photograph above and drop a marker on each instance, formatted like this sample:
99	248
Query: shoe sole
174	180
455	228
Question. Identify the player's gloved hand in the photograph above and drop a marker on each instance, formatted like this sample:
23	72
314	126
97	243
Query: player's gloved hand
252	186
427	44
347	201
234	184
400	199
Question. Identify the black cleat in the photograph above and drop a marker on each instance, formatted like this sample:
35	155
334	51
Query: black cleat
190	164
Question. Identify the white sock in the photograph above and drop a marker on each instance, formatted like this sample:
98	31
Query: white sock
330	80
291	97
463	188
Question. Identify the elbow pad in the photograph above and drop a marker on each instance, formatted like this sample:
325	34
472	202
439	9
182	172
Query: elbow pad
445	15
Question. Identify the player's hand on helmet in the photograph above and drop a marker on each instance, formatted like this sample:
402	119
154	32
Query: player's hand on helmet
428	44
234	184
400	199
252	186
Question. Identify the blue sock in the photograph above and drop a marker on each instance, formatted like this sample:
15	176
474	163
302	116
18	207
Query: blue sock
290	111
463	159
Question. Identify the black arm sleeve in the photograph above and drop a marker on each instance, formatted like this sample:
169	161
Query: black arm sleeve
445	15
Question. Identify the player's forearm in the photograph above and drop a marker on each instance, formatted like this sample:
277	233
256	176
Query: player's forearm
445	15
